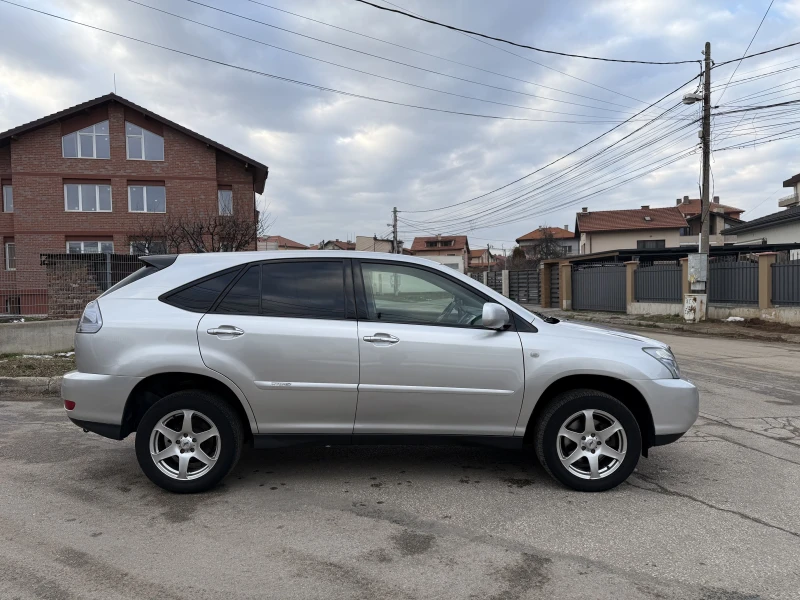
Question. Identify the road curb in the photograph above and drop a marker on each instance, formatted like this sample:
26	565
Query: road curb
30	386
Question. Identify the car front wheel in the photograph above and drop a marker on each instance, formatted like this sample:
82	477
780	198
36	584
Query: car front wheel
588	440
188	441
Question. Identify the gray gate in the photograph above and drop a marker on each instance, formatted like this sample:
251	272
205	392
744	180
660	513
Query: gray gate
523	286
599	287
660	282
732	282
494	279
554	294
786	283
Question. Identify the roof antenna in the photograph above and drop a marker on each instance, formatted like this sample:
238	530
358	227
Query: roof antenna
115	83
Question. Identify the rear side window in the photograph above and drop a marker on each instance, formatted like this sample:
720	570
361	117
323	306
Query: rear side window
244	297
303	289
201	295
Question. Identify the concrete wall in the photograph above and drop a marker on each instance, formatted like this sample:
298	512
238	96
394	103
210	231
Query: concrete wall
654	308
787	315
601	241
37	337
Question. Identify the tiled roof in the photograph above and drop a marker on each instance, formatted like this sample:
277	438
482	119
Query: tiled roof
624	220
459	243
558	233
342	245
283	242
476	253
782	216
261	171
692	207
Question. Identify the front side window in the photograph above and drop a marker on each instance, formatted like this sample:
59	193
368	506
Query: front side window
143	144
225	201
11	256
147	198
87	197
402	294
303	289
89	142
8	199
152	247
90	247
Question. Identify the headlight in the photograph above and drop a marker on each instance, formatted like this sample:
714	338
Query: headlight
666	358
91	319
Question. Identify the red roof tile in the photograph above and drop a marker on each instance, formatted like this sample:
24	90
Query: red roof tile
283	242
623	220
459	243
692	207
558	233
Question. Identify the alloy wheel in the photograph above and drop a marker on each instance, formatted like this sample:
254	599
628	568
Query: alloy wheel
185	444
591	444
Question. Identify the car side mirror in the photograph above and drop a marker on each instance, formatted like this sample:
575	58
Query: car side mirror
495	316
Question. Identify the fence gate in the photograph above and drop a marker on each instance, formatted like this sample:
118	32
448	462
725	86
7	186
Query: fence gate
554	294
599	287
494	279
659	282
523	286
732	282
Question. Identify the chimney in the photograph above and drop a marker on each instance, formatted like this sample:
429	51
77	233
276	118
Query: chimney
585	209
686	199
566	227
716	199
645	207
678	202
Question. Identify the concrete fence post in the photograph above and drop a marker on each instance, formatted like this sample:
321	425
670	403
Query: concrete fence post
630	286
565	286
765	262
506	287
485	278
544	284
684	276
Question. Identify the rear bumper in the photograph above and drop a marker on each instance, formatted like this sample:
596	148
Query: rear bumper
99	400
674	404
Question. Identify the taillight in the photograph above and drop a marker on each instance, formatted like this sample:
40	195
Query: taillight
91	319
69	404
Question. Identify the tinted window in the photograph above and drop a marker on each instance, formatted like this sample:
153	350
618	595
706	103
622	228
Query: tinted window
403	294
303	289
200	296
243	297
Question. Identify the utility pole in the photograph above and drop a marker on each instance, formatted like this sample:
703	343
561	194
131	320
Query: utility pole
705	200
395	249
488	258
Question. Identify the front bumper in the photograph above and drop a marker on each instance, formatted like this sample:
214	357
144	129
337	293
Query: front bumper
99	400
674	405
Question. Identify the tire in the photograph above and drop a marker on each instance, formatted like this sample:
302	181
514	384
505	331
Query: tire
215	428
568	454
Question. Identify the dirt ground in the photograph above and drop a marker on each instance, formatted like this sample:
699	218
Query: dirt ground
39	365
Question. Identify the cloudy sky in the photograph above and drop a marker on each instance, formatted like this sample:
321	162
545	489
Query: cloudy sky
338	164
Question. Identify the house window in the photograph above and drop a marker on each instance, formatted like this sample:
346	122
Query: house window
90	247
143	144
8	199
11	256
151	247
650	244
89	142
87	197
147	198
684	231
225	200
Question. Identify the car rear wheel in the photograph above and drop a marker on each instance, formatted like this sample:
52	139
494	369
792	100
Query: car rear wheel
188	441
588	440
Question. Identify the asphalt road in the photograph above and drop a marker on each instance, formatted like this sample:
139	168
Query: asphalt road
714	516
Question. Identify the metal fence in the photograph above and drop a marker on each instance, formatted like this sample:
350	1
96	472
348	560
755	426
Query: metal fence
59	285
732	281
494	279
786	283
599	287
523	286
476	276
658	282
554	281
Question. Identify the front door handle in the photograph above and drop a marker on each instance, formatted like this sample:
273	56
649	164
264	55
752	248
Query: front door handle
226	330
381	338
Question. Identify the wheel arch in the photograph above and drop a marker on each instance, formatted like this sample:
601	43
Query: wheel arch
619	389
151	389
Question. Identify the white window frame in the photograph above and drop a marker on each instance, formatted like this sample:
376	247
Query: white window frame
147	246
219	202
83	251
6	256
128	136
8	187
144	197
94	135
96	197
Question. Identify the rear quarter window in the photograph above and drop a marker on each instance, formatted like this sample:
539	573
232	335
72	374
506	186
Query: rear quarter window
199	296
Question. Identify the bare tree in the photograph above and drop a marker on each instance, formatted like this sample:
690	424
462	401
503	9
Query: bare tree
518	261
543	247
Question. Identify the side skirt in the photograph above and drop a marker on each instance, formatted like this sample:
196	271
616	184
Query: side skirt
282	440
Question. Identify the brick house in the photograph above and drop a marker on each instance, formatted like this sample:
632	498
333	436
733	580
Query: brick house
85	179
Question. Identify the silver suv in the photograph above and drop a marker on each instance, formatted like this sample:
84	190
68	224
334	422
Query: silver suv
202	354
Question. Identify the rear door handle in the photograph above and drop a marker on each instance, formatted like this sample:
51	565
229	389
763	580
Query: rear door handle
381	338
226	330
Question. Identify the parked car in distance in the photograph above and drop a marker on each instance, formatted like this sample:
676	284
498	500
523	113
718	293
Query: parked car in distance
203	354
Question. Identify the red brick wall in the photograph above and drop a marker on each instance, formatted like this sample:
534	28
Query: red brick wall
191	172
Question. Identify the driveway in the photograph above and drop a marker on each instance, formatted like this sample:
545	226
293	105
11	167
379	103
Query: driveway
715	515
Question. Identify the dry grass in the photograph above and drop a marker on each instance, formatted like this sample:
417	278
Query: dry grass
17	365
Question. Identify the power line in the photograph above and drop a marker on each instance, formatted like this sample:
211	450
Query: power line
727	62
505	41
278	77
745	51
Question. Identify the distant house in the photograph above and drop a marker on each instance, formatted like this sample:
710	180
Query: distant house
366	243
562	235
336	244
782	227
722	218
278	242
644	228
481	260
452	250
